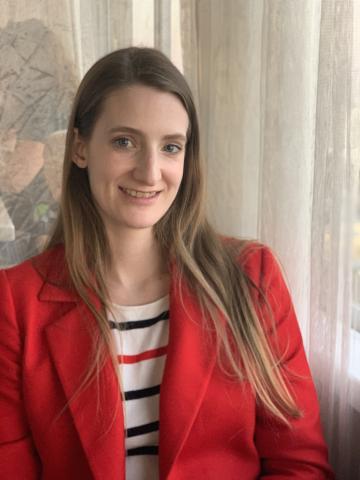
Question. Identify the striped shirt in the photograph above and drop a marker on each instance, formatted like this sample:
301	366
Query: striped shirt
141	335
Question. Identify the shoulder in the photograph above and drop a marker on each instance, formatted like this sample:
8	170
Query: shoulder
257	260
31	274
265	276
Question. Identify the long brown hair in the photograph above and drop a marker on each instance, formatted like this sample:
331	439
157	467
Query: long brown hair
207	263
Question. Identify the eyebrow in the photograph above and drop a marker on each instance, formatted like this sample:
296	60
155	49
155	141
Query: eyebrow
179	136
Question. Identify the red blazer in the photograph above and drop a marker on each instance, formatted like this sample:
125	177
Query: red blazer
210	427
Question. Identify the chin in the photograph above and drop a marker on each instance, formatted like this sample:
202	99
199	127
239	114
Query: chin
141	225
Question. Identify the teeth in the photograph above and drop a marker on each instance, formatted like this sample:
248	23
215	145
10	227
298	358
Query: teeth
137	194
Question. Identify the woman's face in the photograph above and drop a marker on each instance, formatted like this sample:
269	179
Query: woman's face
135	156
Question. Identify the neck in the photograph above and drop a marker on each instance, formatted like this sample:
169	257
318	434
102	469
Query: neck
136	259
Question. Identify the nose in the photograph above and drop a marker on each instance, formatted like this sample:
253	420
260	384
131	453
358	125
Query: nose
147	169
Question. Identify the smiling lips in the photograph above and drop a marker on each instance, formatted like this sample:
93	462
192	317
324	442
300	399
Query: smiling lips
137	193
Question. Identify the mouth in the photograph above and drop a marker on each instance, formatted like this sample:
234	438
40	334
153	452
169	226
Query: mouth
139	193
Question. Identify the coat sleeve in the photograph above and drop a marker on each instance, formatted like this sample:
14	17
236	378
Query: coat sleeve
298	452
18	457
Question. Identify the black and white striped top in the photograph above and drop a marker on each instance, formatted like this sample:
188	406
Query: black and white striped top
141	336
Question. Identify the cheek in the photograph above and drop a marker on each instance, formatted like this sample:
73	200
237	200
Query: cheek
101	173
175	174
180	177
99	184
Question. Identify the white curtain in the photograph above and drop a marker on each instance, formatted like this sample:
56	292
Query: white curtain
277	83
278	86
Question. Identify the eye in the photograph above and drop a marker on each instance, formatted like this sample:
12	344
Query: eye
172	148
123	142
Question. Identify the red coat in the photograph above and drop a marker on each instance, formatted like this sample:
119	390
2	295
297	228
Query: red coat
210	427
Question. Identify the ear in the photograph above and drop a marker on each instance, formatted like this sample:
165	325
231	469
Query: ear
79	156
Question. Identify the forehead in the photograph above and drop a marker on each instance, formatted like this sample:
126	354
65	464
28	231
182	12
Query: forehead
144	108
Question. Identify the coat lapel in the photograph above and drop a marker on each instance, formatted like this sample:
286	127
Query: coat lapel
97	409
189	365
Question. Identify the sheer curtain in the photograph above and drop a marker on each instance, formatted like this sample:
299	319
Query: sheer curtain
278	89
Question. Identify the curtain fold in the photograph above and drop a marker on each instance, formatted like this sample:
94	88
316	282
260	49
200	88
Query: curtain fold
330	326
289	61
162	27
222	45
99	27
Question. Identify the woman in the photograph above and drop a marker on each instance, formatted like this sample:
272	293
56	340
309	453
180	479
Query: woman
134	275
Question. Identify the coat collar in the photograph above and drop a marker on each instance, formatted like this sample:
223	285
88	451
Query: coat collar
188	369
